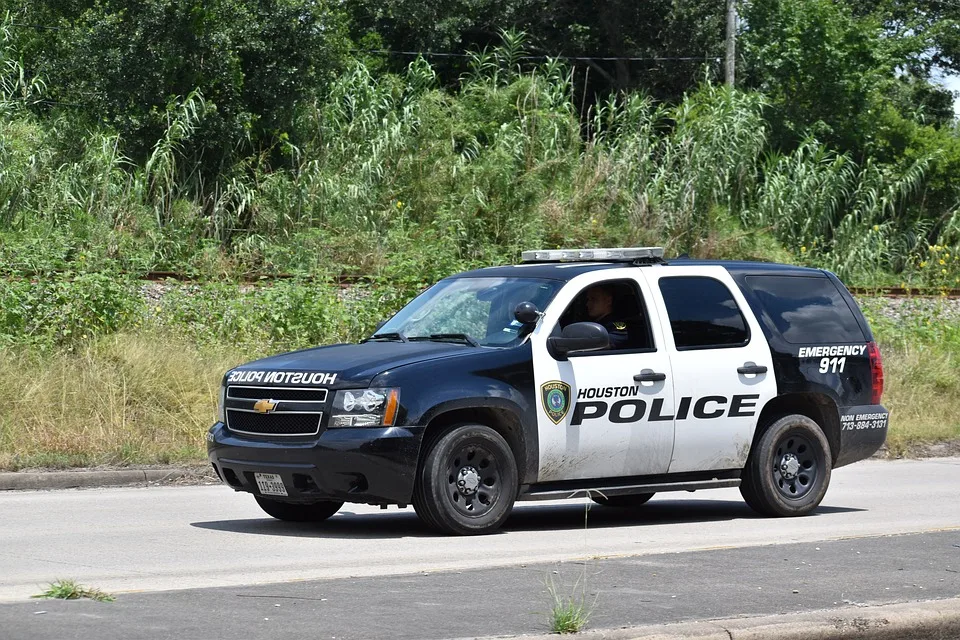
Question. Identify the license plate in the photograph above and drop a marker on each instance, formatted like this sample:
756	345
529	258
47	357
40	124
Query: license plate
270	484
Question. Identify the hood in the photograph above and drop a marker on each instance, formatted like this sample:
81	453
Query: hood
342	365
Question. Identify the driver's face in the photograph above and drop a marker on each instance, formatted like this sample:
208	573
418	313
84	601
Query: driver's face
599	302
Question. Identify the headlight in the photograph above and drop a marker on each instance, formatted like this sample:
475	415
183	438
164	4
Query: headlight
221	399
365	408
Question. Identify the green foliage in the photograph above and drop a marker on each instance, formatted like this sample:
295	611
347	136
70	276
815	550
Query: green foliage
57	312
396	178
282	316
72	590
822	69
569	613
122	62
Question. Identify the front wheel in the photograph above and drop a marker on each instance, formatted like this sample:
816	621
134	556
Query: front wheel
468	481
788	471
297	512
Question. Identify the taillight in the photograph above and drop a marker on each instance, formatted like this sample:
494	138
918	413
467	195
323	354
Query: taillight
876	372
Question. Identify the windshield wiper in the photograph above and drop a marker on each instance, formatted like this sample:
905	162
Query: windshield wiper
396	336
459	337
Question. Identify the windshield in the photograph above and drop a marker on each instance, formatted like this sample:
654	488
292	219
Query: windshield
472	310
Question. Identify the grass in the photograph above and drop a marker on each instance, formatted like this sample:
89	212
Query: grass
122	399
147	396
920	343
569	614
72	590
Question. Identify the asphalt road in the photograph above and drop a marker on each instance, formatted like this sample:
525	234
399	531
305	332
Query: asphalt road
151	539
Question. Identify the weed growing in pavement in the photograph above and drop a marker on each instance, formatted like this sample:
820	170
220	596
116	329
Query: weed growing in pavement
72	590
569	613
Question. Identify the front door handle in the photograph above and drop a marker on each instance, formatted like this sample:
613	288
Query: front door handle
750	367
649	375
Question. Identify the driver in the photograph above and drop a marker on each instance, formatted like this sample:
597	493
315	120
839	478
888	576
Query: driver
600	310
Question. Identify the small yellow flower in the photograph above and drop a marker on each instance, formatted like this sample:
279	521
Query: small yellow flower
923	263
930	247
803	249
943	271
942	261
399	204
876	227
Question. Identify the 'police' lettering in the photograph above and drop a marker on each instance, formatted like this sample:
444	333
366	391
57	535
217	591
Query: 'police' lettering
580	411
699	409
639	407
305	378
655	411
740	406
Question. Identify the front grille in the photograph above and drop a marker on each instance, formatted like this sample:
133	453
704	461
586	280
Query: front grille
276	424
300	394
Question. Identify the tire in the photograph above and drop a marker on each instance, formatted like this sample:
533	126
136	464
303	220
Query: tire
788	471
467	482
632	500
299	512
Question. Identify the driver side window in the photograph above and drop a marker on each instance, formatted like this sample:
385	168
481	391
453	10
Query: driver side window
617	305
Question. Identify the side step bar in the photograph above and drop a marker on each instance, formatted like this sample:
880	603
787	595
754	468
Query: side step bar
533	492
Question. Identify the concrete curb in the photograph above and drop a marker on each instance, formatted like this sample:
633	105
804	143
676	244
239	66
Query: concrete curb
34	480
932	620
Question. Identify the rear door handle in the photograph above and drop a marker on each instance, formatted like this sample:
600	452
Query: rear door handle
750	367
649	375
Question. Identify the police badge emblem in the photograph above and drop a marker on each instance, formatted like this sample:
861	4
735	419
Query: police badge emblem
555	396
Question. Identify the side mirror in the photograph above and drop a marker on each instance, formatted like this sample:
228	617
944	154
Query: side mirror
527	313
579	336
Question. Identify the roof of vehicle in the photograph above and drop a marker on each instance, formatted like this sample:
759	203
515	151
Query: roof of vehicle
569	270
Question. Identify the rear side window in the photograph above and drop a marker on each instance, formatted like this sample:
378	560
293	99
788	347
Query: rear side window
703	313
805	309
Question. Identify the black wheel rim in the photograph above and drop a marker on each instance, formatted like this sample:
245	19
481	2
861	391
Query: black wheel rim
796	466
473	480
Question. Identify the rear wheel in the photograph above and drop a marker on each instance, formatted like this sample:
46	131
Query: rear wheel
788	472
633	500
467	482
297	512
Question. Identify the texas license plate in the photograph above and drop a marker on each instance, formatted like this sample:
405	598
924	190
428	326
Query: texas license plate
270	484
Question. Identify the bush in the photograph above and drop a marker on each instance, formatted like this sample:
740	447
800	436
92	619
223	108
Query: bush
61	312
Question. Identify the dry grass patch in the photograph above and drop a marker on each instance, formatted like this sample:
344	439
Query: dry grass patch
124	399
922	391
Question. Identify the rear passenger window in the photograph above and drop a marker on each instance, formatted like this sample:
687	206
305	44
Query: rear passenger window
805	309
703	313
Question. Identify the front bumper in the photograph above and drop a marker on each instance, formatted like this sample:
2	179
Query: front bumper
368	465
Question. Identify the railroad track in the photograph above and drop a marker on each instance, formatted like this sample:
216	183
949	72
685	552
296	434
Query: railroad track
348	280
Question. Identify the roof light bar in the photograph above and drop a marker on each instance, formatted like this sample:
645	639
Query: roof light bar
621	254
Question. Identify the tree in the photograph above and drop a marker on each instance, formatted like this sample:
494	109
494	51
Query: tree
824	70
581	28
121	63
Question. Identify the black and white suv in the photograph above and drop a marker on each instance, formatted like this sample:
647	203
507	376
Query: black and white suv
610	370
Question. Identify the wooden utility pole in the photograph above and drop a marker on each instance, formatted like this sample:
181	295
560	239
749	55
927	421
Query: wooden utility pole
731	41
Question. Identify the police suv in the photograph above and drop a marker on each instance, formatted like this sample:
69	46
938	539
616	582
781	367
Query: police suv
604	372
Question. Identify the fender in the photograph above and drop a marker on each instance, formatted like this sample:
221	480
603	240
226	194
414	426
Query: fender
500	379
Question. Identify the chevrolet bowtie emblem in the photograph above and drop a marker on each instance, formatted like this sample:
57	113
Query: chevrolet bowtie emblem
264	406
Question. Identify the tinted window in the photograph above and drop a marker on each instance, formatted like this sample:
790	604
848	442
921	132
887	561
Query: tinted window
702	313
806	309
